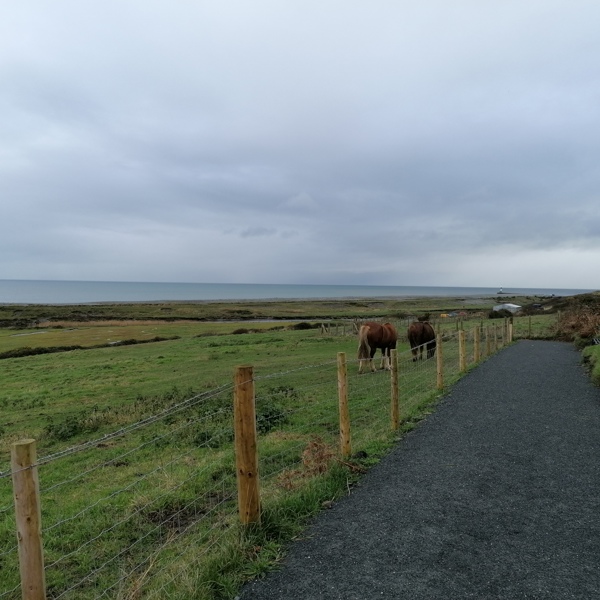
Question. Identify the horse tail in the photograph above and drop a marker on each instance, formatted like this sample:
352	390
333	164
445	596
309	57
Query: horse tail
364	349
431	341
414	334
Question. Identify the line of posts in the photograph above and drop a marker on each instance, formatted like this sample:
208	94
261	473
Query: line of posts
25	471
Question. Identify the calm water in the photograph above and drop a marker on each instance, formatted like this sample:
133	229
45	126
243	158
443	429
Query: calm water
79	292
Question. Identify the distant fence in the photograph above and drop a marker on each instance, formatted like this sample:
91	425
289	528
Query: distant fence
140	512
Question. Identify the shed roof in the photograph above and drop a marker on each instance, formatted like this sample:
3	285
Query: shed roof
507	306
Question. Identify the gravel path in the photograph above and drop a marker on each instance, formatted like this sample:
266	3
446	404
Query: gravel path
496	495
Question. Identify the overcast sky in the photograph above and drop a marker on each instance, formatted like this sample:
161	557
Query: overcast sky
284	141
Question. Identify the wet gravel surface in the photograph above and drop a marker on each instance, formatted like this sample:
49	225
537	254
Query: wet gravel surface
496	495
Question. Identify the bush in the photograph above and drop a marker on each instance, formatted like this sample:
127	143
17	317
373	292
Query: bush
500	314
28	351
580	325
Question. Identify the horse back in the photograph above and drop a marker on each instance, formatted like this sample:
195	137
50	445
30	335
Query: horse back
389	335
428	332
380	335
420	332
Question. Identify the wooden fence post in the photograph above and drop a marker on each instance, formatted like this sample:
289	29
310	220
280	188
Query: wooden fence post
462	358
440	363
342	373
529	328
395	409
476	344
26	491
246	448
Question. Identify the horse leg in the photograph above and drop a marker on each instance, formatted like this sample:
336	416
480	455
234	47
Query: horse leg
386	362
361	364
431	349
373	350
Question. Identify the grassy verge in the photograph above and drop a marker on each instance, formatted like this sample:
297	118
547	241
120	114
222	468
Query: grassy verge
591	357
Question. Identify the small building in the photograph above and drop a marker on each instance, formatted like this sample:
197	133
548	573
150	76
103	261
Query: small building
513	308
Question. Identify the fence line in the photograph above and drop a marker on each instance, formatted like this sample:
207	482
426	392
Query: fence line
115	528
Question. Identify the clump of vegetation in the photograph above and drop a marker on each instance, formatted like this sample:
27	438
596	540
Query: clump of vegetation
503	313
317	459
271	411
28	351
580	325
91	420
591	358
85	421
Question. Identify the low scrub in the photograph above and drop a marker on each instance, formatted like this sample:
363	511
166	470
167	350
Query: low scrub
580	325
28	351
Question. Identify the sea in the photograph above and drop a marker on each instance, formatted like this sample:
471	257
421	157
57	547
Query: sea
98	292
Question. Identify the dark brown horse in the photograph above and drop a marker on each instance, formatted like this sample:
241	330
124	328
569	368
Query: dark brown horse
372	336
421	335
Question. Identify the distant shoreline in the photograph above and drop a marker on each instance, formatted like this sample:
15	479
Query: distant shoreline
71	293
271	300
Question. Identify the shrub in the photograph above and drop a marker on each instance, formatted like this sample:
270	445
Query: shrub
500	314
580	325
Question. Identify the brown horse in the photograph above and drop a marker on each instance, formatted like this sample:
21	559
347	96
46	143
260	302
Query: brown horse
421	335
372	336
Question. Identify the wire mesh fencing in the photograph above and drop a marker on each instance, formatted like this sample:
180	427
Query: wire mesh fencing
152	508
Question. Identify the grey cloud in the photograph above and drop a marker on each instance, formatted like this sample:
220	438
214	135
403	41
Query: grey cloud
258	232
388	146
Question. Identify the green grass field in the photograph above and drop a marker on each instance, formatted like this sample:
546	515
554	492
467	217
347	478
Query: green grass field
137	467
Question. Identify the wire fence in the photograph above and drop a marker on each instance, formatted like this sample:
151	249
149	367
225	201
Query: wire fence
149	509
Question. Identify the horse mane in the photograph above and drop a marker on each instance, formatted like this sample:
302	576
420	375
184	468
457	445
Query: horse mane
363	343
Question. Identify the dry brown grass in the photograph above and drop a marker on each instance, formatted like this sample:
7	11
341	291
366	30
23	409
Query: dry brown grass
583	323
316	459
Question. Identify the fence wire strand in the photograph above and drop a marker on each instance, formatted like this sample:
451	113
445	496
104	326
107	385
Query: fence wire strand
131	545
